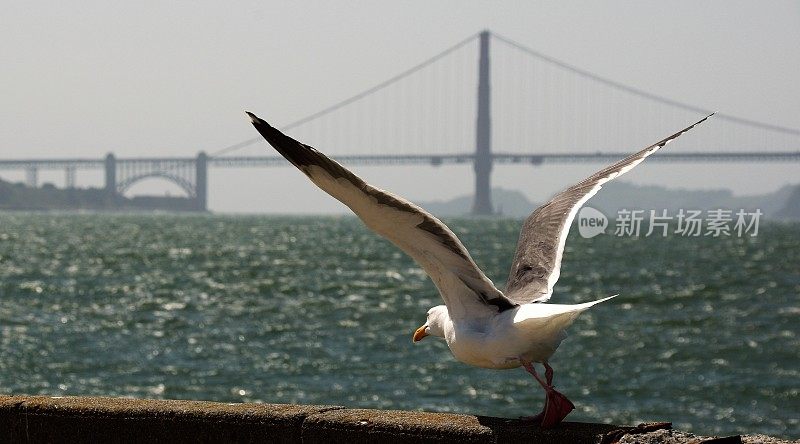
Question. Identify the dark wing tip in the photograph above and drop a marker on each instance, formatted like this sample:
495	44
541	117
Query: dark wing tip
681	132
255	120
698	123
295	152
272	135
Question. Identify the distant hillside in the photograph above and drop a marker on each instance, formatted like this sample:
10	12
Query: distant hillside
507	202
18	196
791	210
781	204
622	195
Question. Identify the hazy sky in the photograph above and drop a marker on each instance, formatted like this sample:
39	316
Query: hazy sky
173	78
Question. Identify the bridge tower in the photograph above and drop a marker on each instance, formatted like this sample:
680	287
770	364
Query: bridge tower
111	174
32	176
482	203
201	181
69	177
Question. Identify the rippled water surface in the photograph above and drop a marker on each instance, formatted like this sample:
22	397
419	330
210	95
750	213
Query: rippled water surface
319	310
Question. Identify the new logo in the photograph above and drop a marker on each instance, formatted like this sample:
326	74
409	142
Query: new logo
591	222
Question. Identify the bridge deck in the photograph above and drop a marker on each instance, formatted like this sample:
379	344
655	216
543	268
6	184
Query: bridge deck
407	159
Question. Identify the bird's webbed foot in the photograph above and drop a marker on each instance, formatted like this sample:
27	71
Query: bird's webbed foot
556	405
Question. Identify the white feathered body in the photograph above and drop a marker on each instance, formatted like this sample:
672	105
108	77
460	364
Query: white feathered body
532	331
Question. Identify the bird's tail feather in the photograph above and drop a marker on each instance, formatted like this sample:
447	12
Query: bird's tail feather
586	305
552	315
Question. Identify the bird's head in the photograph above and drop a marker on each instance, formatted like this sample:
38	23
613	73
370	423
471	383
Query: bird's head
434	325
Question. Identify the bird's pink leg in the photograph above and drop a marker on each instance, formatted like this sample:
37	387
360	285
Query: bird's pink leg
556	405
548	373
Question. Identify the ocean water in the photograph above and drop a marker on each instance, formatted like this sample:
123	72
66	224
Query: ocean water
705	332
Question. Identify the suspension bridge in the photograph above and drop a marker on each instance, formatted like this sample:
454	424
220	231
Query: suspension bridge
485	100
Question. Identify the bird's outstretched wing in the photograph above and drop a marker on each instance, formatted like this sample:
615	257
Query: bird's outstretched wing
537	262
466	291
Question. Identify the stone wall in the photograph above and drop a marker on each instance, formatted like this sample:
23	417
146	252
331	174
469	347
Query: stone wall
45	419
94	419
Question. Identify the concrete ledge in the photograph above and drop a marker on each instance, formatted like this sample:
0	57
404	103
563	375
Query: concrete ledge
88	419
93	419
35	419
369	426
392	426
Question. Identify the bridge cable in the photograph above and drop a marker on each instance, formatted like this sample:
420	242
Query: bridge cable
640	92
354	98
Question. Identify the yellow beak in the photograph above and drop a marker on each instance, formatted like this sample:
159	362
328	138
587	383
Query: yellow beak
419	334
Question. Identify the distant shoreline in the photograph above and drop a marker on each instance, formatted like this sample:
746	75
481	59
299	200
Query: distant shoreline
783	204
20	197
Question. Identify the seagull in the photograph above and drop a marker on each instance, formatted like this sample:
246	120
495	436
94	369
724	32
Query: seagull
482	325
